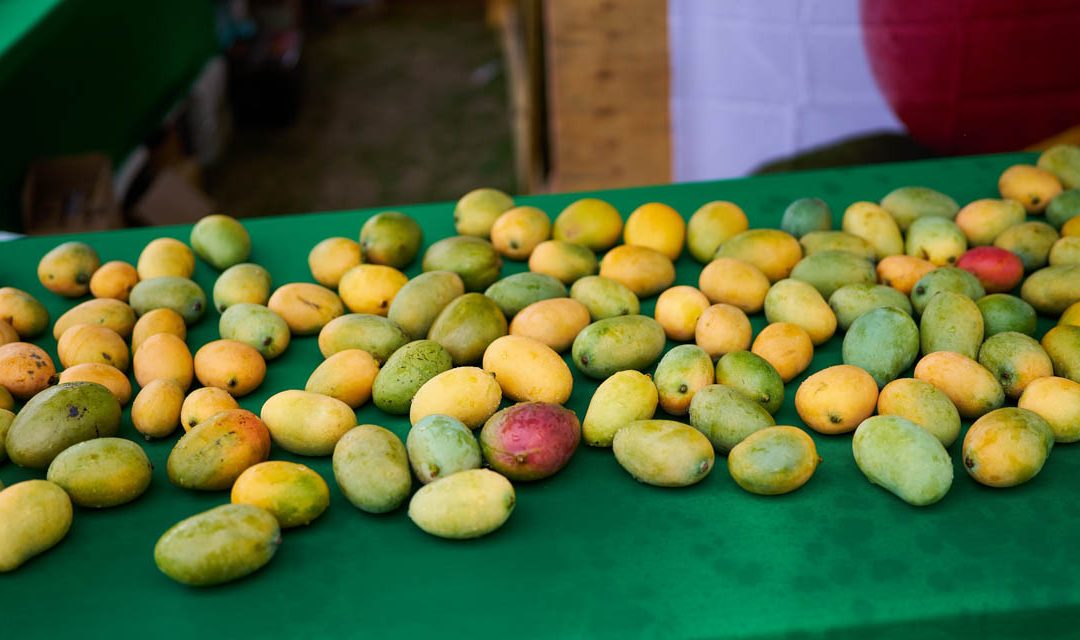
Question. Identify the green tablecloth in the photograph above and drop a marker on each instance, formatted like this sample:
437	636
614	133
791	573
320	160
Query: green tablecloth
589	552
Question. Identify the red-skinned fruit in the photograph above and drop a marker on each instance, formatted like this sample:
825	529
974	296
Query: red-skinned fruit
530	440
997	269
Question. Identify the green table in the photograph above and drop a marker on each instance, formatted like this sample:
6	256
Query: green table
589	552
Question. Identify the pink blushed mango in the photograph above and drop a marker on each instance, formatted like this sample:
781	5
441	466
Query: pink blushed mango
531	440
997	269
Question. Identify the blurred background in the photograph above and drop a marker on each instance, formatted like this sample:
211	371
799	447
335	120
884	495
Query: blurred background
125	112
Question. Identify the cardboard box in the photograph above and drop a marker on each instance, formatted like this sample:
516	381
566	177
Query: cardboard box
70	194
171	199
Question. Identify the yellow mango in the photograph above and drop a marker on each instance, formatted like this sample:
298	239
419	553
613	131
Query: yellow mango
66	269
1007	447
722	328
982	221
155	322
469	394
734	282
25	369
114	280
107	376
291	492
644	271
565	261
663	453
105	312
786	346
234	366
204	402
306	307
800	303
528	370
836	399
88	343
347	375
874	225
713	224
922	403
212	455
7	333
34	516
902	272
165	257
678	309
775	253
773	461
971	387
331	258
305	423
155	413
23	312
164	355
102	472
518	231
589	222
626	396
370	288
1032	187
658	227
1056	400
555	322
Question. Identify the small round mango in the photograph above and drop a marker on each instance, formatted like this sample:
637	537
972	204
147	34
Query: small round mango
155	413
677	311
564	261
1032	187
734	282
155	322
306	307
291	492
467	504
221	241
982	221
836	399
164	356
775	253
713	224
230	365
1056	400
66	269
589	222
347	375
773	461
23	312
528	370
658	227
1007	447
242	283
391	238
644	271
469	394
786	346
114	280
204	402
164	257
518	231
370	288
555	322
107	376
478	210
722	328
331	258
903	272
90	343
25	369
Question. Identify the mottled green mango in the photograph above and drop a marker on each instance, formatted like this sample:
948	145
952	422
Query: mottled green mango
473	259
615	344
621	399
514	293
908	204
806	215
681	373
181	295
938	240
405	372
467	504
1062	344
219	545
420	301
377	335
945	279
1064	207
1052	290
818	241
34	516
1062	160
58	417
1015	360
884	342
727	416
467	326
663	453
1031	241
372	468
439	446
827	271
951	322
605	298
221	241
903	458
241	283
391	238
103	472
1003	312
773	461
256	326
754	376
851	301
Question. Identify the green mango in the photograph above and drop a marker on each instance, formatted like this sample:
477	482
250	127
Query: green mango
217	546
256	326
753	375
727	416
663	453
1062	160
420	301
1003	312
1065	251
829	270
938	240
1064	207
439	446
467	326
371	466
181	295
1031	241
818	241
391	238
1052	290
239	283
681	373
945	279
58	417
514	293
624	397
884	342
103	472
605	298
467	504
907	204
615	344
477	211
1062	344
474	259
951	322
903	458
6	418
806	215
852	300
221	241
377	335
405	371
566	261
1015	360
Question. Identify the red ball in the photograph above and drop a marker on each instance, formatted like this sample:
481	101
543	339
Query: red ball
997	269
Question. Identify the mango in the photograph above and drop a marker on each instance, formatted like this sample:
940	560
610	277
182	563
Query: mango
971	387
405	372
1072	227
1003	312
786	346
164	356
663	453
754	376
555	322
292	493
110	377
372	468
951	322
564	261
874	225
393	239
773	461
589	222
103	472
25	369
530	440
1056	400
518	231
1062	160
114	279
217	546
468	504
347	375
7	402
528	370
614	344
1063	208
644	271
1032	187
23	312
422	299
1031	241
775	253
722	328
89	343
165	258
806	215
713	224
307	308
168	292
35	515
242	283
727	416
440	446
902	272
682	372
1071	315
902	458
67	268
375	334
922	403
514	293
605	298
370	288
473	259
907	204
678	310
221	241
938	240
884	342
7	333
827	271
216	451
469	394
734	282
256	326
656	226
6	418
330	259
103	312
204	402
1052	290
998	270
818	241
1062	344
836	399
155	322
982	221
1007	447
945	279
155	413
467	326
800	303
1015	360
230	365
1065	251
477	211
853	300
306	423
622	398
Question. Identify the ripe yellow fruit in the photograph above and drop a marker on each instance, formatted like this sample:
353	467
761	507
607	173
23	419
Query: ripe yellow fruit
657	226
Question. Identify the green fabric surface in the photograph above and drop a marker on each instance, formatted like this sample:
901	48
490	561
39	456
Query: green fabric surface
589	552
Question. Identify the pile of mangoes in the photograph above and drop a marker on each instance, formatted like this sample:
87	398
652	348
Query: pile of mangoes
913	281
